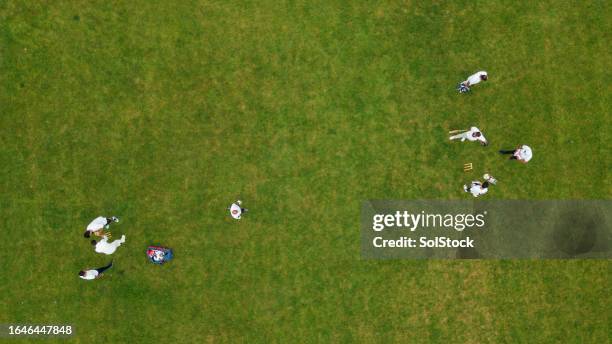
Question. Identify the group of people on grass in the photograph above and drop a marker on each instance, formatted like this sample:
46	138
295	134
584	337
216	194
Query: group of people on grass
522	153
104	246
156	254
476	188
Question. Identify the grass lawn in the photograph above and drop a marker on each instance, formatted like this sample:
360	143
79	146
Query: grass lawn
164	112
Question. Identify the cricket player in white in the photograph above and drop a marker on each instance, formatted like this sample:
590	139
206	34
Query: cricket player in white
474	134
103	246
522	153
477	188
94	273
98	224
476	78
236	210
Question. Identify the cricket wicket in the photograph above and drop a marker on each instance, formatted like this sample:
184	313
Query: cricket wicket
468	167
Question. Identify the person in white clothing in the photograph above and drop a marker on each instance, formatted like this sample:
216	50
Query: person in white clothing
236	210
94	273
98	224
477	188
522	153
476	78
472	80
474	134
103	246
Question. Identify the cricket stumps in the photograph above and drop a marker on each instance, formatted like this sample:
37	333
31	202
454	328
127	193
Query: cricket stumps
467	167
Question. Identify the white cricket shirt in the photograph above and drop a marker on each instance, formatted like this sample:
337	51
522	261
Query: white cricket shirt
103	246
524	153
471	137
90	274
235	211
97	224
477	189
475	78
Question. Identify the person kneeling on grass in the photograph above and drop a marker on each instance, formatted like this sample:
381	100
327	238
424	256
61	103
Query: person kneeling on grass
477	188
95	273
98	224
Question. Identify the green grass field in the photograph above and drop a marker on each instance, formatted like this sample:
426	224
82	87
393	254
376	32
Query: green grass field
165	112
